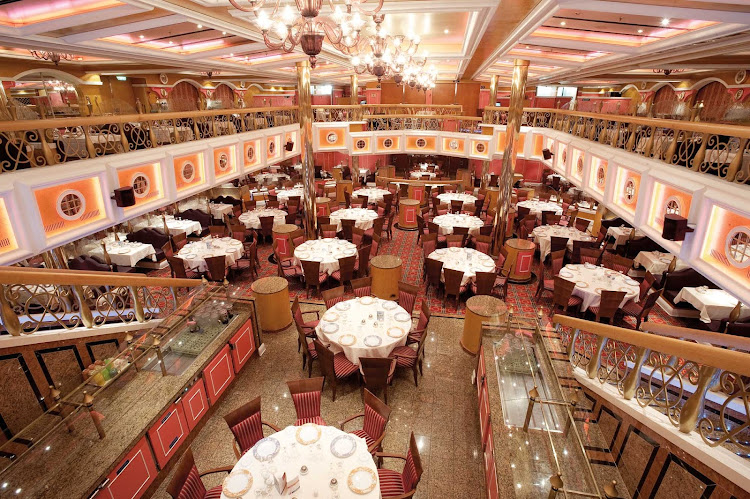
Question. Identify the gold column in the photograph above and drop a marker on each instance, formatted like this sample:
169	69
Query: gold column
306	137
486	164
354	101
515	114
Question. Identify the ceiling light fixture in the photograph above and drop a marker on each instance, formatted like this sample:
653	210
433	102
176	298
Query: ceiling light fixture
223	32
211	73
54	57
384	55
640	31
665	22
562	23
199	26
141	37
667	72
445	31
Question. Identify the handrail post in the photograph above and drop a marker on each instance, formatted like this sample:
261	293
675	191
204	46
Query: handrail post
85	312
10	318
736	163
693	407
88	402
49	156
701	154
593	368
571	346
137	305
633	378
89	145
152	135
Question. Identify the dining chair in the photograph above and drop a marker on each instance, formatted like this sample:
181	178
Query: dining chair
377	227
456	205
482	243
433	270
248	204
328	230
217	268
313	276
591	255
526	226
345	272
483	283
348	199
575	253
285	265
179	241
298	237
308	327
307	346
434	228
217	230
246	425
421	227
333	296
347	224
558	243
453	286
358	236
177	267
429	244
362	286
552	219
266	226
609	305
407	296
272	203
618	263
647	284
563	298
361	267
582	224
324	221
248	260
454	241
409	358
375	420
167	249
420	329
306	395
186	482
375	244
640	311
377	374
334	366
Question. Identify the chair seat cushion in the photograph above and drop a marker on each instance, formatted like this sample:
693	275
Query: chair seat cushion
405	356
311	349
363	434
342	366
631	308
315	419
391	483
213	493
336	274
290	271
549	285
310	324
574	301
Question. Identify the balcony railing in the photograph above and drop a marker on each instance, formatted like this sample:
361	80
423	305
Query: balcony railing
34	143
412	109
431	122
693	380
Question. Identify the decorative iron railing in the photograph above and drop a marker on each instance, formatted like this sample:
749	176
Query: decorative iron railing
335	114
697	380
413	109
34	143
435	123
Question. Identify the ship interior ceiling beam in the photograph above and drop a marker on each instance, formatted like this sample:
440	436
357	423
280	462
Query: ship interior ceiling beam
126	27
721	12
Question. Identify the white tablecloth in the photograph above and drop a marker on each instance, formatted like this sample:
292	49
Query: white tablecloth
450	220
621	234
467	199
283	195
218	210
269	178
713	304
467	260
252	221
657	262
591	280
374	194
283	452
121	252
363	217
194	253
425	166
177	226
543	237
423	175
537	207
326	251
342	327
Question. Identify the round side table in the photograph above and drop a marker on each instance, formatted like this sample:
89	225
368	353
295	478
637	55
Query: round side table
480	309
272	299
386	272
407	214
521	253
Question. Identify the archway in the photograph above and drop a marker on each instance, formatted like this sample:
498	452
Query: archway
223	97
184	97
667	105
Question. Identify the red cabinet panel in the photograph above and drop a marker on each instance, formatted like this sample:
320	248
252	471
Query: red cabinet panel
132	476
481	371
194	403
219	374
489	468
168	433
484	412
242	345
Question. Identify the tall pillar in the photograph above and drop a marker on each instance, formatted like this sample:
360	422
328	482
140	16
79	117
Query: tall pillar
515	115
486	164
306	138
354	101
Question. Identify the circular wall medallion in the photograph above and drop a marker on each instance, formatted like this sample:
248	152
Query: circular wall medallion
71	204
738	247
643	85
164	92
141	185
188	172
163	79
272	147
223	162
738	94
361	144
250	153
579	165
601	175
388	143
564	154
421	143
673	206
481	147
630	190
453	145
332	137
740	76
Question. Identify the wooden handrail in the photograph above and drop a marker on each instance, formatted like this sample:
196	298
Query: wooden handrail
720	358
336	106
25	275
418	182
716	339
424	116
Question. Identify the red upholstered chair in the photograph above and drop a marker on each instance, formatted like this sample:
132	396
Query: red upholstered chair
640	310
407	296
377	373
306	394
328	230
455	241
408	358
308	328
376	418
429	244
609	305
362	286
618	263
563	296
363	260
417	332
433	271
187	484
346	270
526	226
582	224
453	286
556	264
591	255
404	484
309	355
435	229
313	276
333	296
334	366
482	243
246	425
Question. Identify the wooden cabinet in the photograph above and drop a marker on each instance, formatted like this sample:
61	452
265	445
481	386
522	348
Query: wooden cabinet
194	403
168	433
219	374
132	476
242	345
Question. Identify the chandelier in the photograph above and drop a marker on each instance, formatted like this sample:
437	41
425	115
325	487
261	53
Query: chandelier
307	28
667	72
54	57
419	78
210	73
383	55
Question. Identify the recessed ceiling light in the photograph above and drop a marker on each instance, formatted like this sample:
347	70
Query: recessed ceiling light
171	42
445	31
223	32
199	26
231	54
562	23
665	22
141	37
640	31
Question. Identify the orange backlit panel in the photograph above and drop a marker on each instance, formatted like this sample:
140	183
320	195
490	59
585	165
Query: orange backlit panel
7	237
68	206
666	198
251	153
331	138
146	182
273	147
561	158
427	144
456	146
501	141
224	161
576	164
388	143
627	188
598	174
361	144
725	245
188	171
538	145
480	148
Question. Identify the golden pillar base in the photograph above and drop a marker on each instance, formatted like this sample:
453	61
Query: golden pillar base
272	301
386	272
407	214
521	253
480	309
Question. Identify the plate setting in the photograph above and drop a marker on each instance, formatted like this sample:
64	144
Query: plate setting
402	317
362	480
389	305
395	332
266	449
237	483
343	306
347	340
373	340
329	328
343	446
308	434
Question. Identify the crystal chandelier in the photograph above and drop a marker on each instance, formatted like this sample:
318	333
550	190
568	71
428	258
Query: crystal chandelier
307	28
383	55
419	78
210	73
54	57
667	72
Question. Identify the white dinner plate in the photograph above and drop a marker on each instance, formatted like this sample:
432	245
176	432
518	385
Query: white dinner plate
343	306
343	446
237	483
402	317
266	449
372	340
362	480
329	328
389	305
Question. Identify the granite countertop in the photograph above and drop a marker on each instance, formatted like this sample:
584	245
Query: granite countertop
74	464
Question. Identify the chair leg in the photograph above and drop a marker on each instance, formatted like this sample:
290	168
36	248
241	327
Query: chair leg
309	368
414	370
333	386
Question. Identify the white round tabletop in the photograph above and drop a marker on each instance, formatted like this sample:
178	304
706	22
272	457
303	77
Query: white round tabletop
544	233
251	218
195	253
363	217
374	194
326	251
283	195
467	260
450	220
423	175
264	178
311	454
591	280
467	199
537	207
364	327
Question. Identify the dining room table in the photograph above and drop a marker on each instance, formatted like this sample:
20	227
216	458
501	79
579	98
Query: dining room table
194	253
536	207
326	251
712	304
121	251
271	178
591	280
176	225
468	200
251	219
544	233
364	327
218	210
657	262
306	461
467	260
364	218
419	174
449	221
283	195
374	194
621	234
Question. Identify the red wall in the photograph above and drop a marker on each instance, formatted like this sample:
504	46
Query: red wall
530	168
330	159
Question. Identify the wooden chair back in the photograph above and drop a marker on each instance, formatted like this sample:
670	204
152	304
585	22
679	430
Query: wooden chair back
582	224
177	266
556	261
347	226
434	268
453	280
591	255
179	241
609	305
217	268
312	386
375	372
218	230
362	286
181	475
562	293
266	225
558	243
456	205
328	230
346	268
312	272
454	241
167	249
325	356
332	296
484	282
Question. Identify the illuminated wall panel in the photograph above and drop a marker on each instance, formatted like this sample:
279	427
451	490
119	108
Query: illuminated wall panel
252	153
71	205
361	145
481	148
146	181
598	174
727	243
453	145
273	148
667	199
576	164
421	144
626	191
331	138
388	143
561	158
188	171
538	145
501	142
7	237
224	161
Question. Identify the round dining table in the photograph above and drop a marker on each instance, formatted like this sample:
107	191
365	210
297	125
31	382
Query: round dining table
251	219
326	251
537	207
467	199
374	194
268	178
283	195
317	461
423	175
449	221
364	327
467	260
363	217
591	280
195	253
544	233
